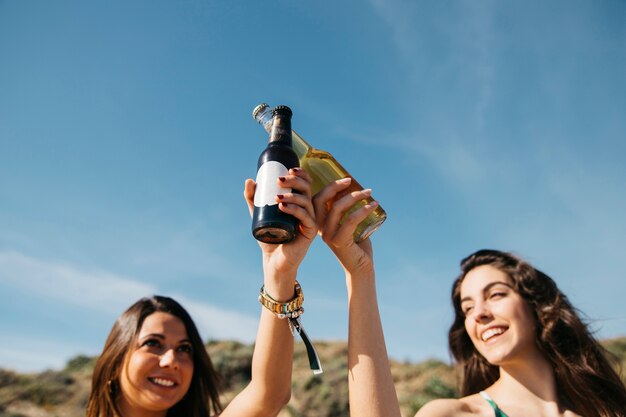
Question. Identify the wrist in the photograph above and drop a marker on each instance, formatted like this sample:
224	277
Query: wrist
279	285
360	272
360	280
281	292
290	308
356	264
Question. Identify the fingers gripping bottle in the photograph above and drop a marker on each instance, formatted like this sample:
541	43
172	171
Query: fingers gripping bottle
269	223
324	168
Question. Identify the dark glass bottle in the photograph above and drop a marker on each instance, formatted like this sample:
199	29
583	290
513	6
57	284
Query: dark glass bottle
324	168
269	223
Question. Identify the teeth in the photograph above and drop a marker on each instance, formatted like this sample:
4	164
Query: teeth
163	382
492	332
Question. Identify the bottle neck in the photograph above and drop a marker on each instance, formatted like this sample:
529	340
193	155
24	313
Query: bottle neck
265	119
281	130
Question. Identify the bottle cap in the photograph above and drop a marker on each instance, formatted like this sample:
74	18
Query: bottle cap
284	110
258	109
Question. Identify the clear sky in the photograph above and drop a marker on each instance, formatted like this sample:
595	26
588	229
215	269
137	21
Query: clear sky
126	136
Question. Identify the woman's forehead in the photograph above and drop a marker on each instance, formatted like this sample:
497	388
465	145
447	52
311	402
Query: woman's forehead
163	323
481	277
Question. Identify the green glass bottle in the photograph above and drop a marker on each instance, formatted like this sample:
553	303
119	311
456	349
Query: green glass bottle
324	168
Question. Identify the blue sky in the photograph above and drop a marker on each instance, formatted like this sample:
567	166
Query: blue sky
126	136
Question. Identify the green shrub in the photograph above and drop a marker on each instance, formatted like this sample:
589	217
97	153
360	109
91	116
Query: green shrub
436	388
233	362
7	378
48	388
80	363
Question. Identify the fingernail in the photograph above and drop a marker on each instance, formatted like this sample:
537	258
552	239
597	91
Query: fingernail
280	196
344	180
281	179
367	191
296	169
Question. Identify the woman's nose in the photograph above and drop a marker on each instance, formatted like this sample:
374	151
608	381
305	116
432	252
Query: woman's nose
168	359
481	312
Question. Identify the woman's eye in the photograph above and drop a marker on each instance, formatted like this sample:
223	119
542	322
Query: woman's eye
152	343
497	294
185	349
467	310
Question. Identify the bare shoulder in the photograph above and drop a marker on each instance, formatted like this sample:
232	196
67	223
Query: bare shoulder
462	407
447	407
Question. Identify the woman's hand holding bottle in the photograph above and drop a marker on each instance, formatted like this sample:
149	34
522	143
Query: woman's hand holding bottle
284	259
356	258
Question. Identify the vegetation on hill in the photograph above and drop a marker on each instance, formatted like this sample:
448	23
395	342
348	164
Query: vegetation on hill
64	393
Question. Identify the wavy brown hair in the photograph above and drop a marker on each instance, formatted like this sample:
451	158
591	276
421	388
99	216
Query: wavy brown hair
201	400
586	377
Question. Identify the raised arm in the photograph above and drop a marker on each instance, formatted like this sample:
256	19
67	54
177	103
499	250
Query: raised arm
371	389
270	387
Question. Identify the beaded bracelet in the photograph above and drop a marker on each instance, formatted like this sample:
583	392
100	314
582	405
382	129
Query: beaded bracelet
292	310
289	309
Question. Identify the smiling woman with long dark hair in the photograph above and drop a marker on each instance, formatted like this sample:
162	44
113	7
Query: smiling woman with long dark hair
148	328
515	333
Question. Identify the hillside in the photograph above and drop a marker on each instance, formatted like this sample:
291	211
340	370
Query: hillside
64	393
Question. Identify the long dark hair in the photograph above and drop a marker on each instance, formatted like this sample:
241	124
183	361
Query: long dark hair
586	379
201	400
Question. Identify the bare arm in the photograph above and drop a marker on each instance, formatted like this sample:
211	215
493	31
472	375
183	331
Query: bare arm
270	387
371	388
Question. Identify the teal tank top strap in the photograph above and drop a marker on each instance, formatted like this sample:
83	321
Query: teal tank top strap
492	403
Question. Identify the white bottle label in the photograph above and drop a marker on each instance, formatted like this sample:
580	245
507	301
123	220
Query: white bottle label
267	187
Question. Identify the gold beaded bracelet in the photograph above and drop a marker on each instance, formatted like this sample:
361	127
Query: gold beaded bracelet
290	309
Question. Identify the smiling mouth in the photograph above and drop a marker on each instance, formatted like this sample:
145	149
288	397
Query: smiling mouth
162	382
491	333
